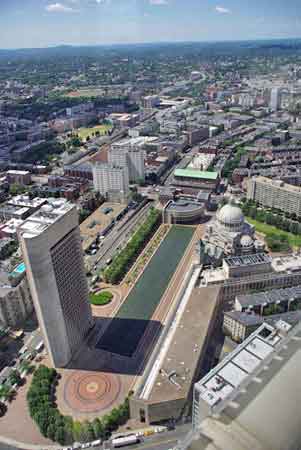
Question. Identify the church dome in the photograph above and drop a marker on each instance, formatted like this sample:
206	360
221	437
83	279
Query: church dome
246	241
231	216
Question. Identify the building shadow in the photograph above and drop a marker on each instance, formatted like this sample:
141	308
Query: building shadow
120	346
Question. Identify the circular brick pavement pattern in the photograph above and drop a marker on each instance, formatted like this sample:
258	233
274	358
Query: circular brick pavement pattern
91	392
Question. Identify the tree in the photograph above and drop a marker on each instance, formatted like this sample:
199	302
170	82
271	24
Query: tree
15	378
253	212
77	431
16	189
51	431
3	409
83	214
269	218
89	431
60	435
25	366
75	141
293	227
98	428
68	425
5	392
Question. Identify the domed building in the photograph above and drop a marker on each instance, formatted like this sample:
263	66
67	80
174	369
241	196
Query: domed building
231	218
229	235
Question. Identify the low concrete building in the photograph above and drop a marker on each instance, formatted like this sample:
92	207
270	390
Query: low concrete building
239	325
284	272
183	211
165	391
234	404
265	303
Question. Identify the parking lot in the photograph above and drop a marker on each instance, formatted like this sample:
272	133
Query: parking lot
97	222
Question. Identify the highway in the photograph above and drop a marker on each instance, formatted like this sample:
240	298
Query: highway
118	238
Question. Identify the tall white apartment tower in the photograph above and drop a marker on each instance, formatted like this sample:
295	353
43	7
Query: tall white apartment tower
52	252
136	159
111	181
129	153
275	100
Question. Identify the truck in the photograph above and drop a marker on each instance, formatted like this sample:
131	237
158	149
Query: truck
126	440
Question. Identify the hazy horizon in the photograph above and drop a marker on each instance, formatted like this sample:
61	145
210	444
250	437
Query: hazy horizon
47	23
149	43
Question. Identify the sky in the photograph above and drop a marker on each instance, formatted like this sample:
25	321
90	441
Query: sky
44	23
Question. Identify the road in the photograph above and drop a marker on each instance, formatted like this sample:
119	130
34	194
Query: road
159	441
180	165
117	238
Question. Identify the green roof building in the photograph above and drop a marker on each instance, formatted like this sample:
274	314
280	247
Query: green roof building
196	179
197	174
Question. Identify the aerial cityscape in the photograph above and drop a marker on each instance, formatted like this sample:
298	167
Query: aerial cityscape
150	230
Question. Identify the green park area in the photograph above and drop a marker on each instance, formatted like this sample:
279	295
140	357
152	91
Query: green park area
136	312
277	240
89	92
101	130
101	298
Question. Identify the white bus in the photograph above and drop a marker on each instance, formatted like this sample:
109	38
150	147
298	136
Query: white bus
126	440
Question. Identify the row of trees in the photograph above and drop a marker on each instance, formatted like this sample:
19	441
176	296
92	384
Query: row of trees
63	429
123	261
250	209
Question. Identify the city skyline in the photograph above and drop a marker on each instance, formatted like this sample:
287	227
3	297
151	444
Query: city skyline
99	22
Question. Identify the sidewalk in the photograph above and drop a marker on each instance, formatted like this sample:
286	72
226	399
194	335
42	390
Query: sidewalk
24	446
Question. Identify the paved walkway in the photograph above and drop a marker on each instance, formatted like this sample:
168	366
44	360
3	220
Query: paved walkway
17	423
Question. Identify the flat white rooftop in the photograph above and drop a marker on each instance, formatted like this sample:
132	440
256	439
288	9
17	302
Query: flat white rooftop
18	172
285	263
44	217
24	200
135	141
238	369
12	225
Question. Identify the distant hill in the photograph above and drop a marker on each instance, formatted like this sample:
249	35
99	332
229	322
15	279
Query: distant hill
260	47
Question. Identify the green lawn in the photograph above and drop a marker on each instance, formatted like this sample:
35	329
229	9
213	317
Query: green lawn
102	298
126	329
85	132
268	230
